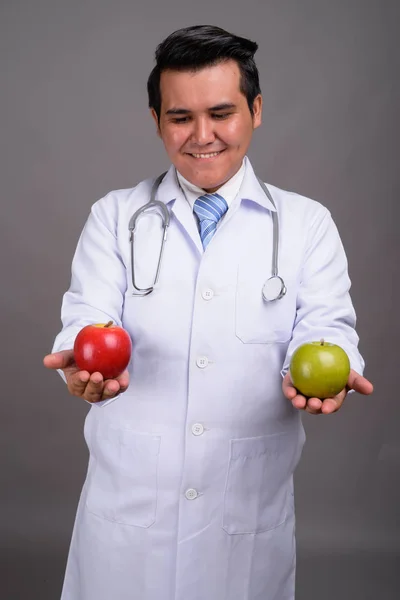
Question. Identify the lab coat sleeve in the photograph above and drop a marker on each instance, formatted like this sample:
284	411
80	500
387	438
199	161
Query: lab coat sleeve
324	307
98	280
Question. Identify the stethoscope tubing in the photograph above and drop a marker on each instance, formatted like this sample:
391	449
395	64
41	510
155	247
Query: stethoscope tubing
273	289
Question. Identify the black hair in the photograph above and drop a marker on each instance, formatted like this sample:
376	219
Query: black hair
199	46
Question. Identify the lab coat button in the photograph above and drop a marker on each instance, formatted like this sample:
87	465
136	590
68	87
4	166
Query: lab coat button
191	494
202	362
197	429
207	294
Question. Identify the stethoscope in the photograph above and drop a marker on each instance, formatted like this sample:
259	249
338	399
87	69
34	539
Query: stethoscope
273	289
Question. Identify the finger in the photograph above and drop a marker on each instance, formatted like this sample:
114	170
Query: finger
59	360
330	405
77	382
314	406
111	388
94	388
359	383
116	386
311	411
299	402
288	388
123	381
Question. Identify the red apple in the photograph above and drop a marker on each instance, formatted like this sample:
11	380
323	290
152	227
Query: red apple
319	369
105	348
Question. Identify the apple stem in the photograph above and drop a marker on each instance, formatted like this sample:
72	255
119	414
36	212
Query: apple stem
322	341
109	324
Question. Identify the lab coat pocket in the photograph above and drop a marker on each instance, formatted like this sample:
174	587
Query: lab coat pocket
122	486
258	483
258	321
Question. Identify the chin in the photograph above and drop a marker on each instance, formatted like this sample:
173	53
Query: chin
209	183
206	176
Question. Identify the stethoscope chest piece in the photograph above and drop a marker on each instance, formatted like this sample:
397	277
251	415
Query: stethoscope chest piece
274	289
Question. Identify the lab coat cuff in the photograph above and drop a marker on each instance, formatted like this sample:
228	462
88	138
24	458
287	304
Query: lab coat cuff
61	374
103	403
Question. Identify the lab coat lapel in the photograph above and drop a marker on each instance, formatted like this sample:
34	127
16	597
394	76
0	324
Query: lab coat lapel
250	191
171	194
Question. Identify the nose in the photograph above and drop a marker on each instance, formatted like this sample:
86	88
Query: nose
203	131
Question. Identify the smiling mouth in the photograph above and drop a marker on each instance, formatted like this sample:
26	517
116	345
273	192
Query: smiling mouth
205	155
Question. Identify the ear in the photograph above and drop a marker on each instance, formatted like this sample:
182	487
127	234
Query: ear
155	117
257	111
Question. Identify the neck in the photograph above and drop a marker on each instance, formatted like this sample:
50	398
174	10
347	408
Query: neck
210	190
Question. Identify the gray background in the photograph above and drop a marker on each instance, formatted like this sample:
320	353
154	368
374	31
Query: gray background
75	125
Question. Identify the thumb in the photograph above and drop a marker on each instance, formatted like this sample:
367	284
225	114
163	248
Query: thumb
59	360
359	383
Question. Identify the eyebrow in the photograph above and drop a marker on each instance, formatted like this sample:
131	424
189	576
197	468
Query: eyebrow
216	108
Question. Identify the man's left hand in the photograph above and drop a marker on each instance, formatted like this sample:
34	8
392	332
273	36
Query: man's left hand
316	406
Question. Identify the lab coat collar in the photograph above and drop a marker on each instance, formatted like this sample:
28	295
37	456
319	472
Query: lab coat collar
170	190
250	189
171	193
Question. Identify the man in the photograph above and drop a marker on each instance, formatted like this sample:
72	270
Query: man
189	491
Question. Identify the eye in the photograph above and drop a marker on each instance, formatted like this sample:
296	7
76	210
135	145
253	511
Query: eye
220	116
179	120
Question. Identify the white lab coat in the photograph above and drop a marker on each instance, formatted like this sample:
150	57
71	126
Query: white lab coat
189	490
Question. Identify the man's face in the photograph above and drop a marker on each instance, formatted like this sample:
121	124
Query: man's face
205	123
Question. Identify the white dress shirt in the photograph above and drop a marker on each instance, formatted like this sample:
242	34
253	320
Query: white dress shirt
228	191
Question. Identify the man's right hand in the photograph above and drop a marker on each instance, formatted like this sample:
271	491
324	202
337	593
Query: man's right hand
80	383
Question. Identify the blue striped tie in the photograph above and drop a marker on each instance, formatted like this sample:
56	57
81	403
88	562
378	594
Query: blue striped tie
209	209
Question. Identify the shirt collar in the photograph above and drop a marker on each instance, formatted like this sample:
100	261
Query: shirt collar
249	188
228	191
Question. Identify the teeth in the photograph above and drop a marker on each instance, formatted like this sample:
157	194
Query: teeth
206	155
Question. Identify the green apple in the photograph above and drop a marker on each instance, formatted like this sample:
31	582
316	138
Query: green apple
319	369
